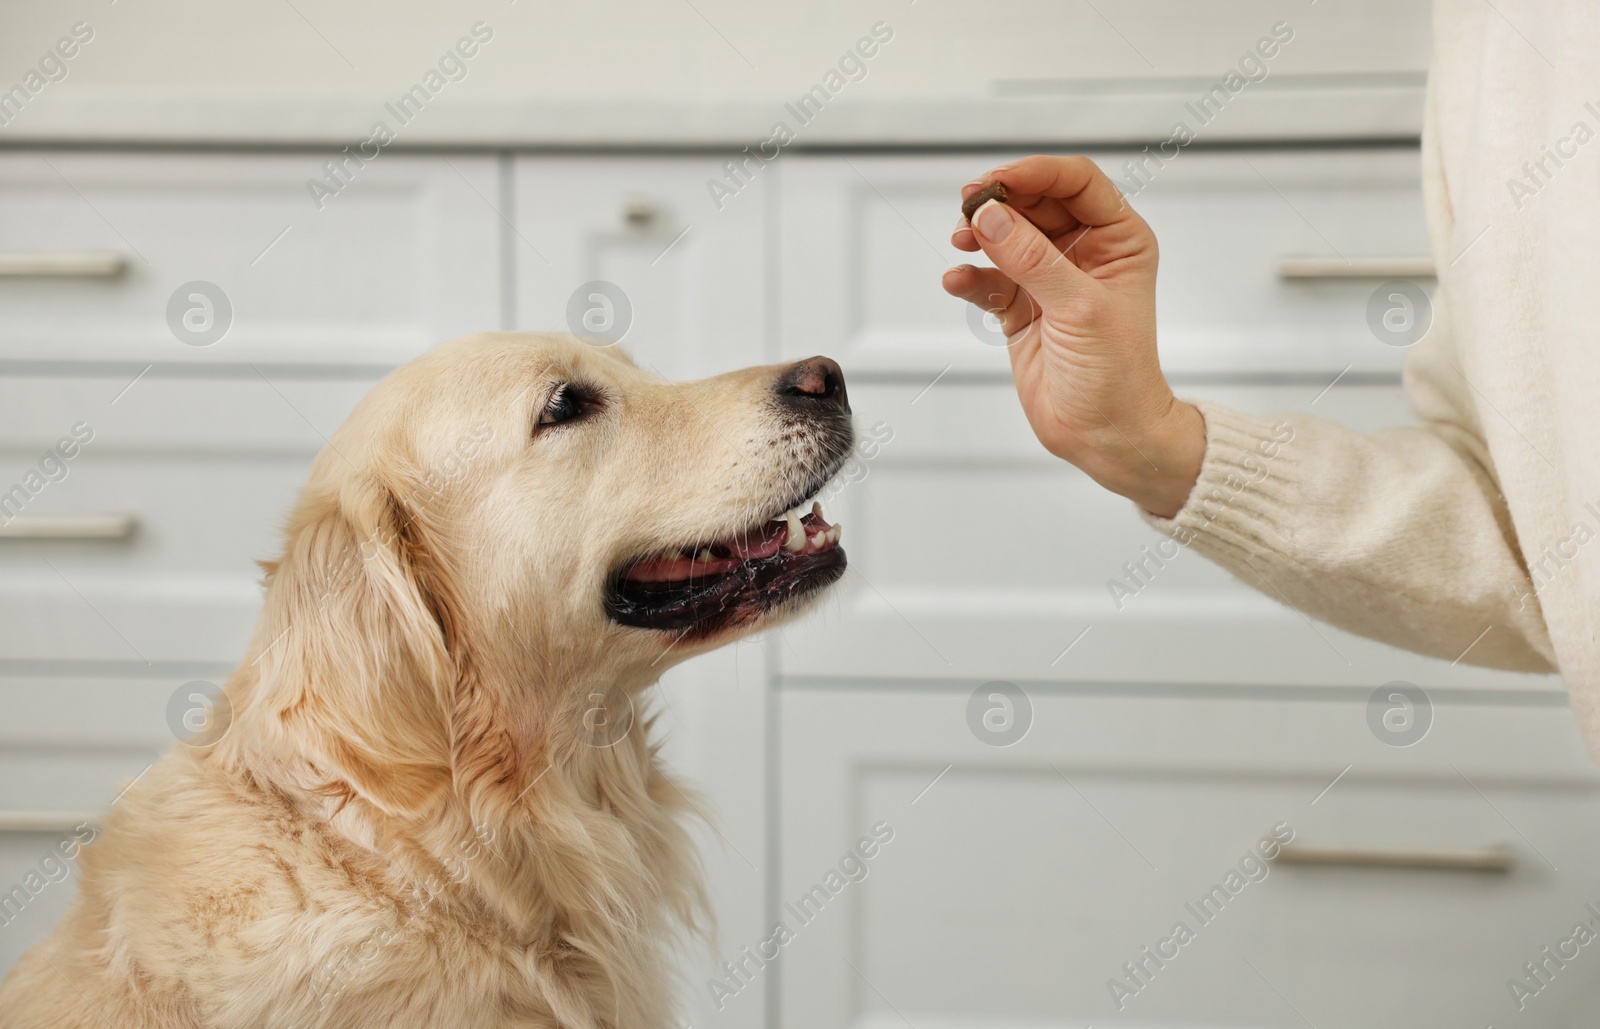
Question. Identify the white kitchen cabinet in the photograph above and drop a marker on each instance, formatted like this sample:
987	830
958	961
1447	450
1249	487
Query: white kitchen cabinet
864	241
1169	730
1173	724
1020	880
403	257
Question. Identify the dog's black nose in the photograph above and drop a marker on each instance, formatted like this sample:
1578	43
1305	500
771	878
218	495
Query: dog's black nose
815	380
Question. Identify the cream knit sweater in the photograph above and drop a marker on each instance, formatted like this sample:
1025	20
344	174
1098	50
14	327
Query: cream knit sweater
1474	532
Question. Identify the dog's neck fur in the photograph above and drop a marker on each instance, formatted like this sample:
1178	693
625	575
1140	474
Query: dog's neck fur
462	775
584	872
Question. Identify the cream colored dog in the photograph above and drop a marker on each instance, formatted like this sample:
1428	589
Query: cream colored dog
431	807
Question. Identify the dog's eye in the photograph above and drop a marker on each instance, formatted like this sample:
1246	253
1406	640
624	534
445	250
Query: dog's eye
567	403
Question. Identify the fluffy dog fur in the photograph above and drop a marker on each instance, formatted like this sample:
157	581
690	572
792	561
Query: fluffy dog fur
406	824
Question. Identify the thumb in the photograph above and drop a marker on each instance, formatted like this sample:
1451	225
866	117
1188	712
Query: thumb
1026	255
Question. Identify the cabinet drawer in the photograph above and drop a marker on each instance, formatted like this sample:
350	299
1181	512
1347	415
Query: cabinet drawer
865	240
1020	880
973	552
684	278
176	410
97	244
180	583
68	746
141	542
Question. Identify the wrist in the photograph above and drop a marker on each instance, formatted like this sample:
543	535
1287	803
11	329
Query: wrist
1157	466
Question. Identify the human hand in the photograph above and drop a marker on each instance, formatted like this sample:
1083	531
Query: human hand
1074	288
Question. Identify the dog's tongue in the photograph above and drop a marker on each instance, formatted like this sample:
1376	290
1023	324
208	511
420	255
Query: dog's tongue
764	542
751	546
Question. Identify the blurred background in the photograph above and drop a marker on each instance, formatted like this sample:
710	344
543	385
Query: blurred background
221	223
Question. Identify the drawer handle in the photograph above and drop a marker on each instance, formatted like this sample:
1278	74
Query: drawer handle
1355	268
1497	860
70	264
69	527
640	214
45	821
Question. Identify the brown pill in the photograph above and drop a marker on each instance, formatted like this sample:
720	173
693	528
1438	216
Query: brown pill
993	191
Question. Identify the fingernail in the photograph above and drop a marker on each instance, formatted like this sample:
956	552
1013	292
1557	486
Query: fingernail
993	221
961	223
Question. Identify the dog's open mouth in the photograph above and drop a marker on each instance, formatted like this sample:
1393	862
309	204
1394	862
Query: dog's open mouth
731	582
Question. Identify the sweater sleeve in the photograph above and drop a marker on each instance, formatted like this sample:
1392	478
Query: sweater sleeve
1399	535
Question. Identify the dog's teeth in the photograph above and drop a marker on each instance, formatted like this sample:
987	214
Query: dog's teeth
795	540
833	533
816	508
704	556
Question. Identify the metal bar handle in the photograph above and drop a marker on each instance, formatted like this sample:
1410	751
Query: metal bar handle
45	821
69	527
1492	859
1355	268
67	264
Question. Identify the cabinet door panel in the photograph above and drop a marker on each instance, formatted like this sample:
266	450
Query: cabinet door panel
1020	881
688	275
403	257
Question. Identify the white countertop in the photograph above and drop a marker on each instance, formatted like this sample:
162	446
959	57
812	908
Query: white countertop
637	73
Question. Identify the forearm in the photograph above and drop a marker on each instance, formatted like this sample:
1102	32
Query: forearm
1394	535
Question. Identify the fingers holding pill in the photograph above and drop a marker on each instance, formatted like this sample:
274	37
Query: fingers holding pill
992	191
1071	296
1060	195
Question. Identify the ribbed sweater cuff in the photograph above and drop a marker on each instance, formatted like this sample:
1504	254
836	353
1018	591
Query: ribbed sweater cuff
1244	502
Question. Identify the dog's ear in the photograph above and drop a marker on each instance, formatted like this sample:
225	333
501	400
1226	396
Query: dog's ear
354	668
